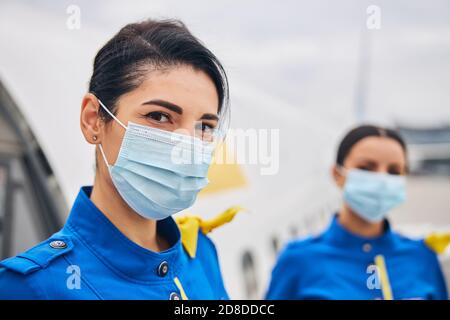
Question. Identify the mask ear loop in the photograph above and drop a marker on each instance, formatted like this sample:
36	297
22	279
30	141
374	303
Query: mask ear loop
100	145
104	156
113	116
342	171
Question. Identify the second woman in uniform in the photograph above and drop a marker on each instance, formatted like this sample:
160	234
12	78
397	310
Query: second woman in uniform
359	256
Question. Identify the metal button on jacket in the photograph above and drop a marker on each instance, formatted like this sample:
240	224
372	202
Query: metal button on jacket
174	296
367	247
58	244
163	268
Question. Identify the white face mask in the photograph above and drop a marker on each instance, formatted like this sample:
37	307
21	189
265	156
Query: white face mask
372	195
157	172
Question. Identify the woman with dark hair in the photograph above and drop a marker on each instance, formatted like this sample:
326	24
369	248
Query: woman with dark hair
157	103
359	256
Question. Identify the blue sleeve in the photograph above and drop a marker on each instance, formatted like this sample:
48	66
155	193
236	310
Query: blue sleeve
207	253
16	286
284	283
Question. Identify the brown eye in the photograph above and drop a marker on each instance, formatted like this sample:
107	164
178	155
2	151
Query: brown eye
207	127
159	116
394	171
367	165
205	131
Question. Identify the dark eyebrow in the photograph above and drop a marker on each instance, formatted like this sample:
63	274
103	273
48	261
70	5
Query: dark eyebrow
209	116
366	161
178	109
165	104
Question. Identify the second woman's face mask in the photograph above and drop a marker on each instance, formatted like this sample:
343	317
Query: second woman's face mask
372	195
157	172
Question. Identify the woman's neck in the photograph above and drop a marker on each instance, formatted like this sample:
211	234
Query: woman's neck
357	225
136	228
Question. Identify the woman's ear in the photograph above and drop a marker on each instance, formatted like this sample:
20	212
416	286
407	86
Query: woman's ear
338	177
90	120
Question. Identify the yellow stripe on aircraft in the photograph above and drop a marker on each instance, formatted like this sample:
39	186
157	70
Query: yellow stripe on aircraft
224	175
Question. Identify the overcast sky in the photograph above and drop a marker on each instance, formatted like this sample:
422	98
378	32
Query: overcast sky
307	53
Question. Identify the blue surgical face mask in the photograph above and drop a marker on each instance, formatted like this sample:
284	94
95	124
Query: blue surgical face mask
157	172
372	195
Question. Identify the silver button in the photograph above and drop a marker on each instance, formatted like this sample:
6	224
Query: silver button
163	269
174	296
58	244
367	247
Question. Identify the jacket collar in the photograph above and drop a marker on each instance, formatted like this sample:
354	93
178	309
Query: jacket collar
121	254
338	235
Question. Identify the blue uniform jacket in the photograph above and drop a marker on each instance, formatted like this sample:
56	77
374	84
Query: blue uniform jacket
340	265
91	259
